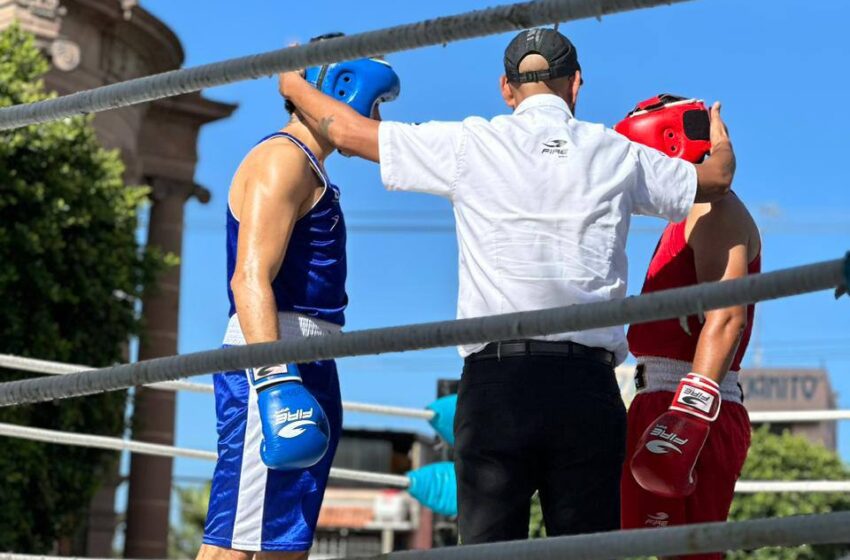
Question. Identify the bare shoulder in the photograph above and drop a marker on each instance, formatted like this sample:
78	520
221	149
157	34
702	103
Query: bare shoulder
277	169
277	156
721	221
729	211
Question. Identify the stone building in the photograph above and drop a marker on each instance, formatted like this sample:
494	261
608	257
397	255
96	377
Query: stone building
774	389
93	43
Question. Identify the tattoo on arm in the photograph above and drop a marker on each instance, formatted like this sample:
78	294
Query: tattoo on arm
325	125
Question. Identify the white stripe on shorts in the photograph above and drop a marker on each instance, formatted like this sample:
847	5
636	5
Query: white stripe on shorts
248	524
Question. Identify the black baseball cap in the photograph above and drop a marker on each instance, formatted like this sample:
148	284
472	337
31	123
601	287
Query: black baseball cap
548	43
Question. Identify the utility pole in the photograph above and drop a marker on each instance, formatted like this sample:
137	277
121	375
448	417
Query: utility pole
149	498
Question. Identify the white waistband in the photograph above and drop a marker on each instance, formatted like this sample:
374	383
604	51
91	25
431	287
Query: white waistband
664	374
292	325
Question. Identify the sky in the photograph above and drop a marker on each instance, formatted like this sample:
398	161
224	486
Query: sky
774	64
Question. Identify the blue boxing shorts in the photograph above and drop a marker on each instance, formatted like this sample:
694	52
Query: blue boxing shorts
252	507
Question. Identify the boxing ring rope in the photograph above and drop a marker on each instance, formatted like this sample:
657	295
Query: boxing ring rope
527	324
799	416
685	539
438	31
22	363
394	481
143	447
386	410
59	368
666	541
780	486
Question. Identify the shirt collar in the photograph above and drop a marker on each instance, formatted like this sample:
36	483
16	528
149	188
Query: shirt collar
543	100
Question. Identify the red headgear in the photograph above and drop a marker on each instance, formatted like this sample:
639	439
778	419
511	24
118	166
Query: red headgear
674	125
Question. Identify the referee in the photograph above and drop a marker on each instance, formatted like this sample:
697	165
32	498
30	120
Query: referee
542	203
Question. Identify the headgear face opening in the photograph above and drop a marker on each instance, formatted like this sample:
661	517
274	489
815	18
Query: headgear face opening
363	84
677	126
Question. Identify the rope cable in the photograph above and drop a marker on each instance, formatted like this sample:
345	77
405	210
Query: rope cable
395	481
159	450
526	324
58	368
50	367
799	416
827	528
436	31
664	541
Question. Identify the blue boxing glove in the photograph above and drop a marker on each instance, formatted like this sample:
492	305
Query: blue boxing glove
295	429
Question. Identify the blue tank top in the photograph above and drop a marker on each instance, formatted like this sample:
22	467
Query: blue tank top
311	279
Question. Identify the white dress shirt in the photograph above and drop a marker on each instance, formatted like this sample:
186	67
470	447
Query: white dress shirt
542	204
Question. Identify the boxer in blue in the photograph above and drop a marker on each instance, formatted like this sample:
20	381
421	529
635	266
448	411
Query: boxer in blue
278	426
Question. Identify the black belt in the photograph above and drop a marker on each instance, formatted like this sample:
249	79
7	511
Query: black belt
566	349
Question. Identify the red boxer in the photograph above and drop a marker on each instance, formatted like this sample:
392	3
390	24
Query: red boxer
716	470
688	432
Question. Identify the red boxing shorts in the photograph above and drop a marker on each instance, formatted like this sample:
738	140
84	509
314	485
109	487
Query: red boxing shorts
717	470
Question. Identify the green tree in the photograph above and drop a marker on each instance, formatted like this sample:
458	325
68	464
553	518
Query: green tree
71	271
536	527
185	538
787	457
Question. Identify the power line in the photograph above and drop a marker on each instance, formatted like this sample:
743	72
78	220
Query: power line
442	228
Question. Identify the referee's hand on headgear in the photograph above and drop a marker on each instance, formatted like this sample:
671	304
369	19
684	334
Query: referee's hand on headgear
285	80
721	146
718	133
715	175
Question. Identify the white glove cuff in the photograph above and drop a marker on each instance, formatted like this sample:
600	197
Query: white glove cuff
698	396
266	376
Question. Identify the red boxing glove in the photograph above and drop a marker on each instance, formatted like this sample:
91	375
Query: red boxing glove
668	450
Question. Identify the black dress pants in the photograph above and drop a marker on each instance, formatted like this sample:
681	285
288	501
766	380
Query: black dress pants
552	424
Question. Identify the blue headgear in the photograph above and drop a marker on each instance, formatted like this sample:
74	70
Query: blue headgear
362	83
